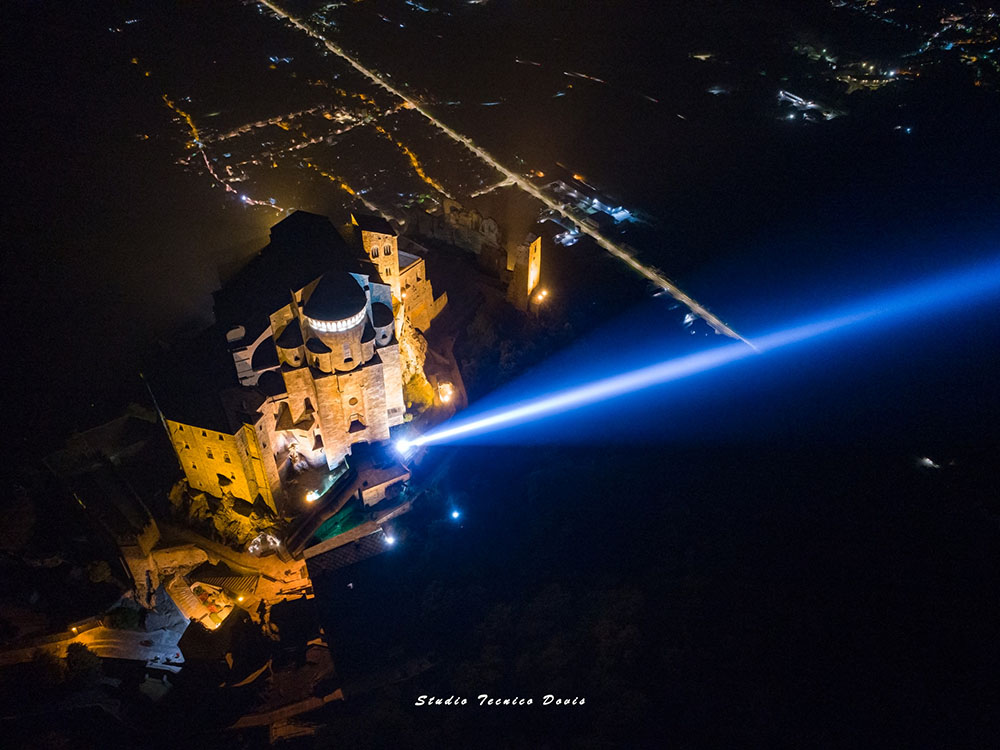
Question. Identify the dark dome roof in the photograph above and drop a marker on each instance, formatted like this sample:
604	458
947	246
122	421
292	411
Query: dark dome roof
291	336
337	296
370	223
271	383
265	355
317	347
368	334
381	315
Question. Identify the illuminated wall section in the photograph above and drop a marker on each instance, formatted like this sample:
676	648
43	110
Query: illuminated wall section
217	462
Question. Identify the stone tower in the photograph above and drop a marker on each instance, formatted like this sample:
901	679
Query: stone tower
380	243
526	264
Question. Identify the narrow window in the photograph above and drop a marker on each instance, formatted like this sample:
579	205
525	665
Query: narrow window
225	457
388	250
208	453
374	251
204	434
220	437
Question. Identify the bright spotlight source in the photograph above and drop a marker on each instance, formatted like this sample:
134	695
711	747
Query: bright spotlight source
445	392
239	598
312	496
456	514
403	446
390	539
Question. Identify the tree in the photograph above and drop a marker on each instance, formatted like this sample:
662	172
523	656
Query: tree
123	618
83	666
99	571
18	522
46	670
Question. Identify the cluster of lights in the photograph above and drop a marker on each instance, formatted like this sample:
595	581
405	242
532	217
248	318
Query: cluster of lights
332	326
540	297
312	496
614	249
414	162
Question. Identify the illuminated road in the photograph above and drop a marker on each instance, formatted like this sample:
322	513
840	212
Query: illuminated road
515	179
109	643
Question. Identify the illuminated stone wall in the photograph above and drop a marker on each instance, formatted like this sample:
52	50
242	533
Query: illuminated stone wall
418	300
217	462
341	379
527	268
383	250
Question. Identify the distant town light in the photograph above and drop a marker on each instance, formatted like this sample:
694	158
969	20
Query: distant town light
390	539
456	514
312	496
74	629
445	392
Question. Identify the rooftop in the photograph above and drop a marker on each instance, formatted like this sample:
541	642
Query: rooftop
381	315
338	296
302	246
406	260
371	223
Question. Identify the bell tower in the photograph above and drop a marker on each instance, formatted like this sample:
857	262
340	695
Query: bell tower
380	244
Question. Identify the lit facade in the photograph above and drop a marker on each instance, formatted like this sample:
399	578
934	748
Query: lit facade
317	374
526	264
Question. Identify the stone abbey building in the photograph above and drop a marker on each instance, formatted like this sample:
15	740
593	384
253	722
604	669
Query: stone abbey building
313	327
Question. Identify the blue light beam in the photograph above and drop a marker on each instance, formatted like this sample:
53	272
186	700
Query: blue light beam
967	287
